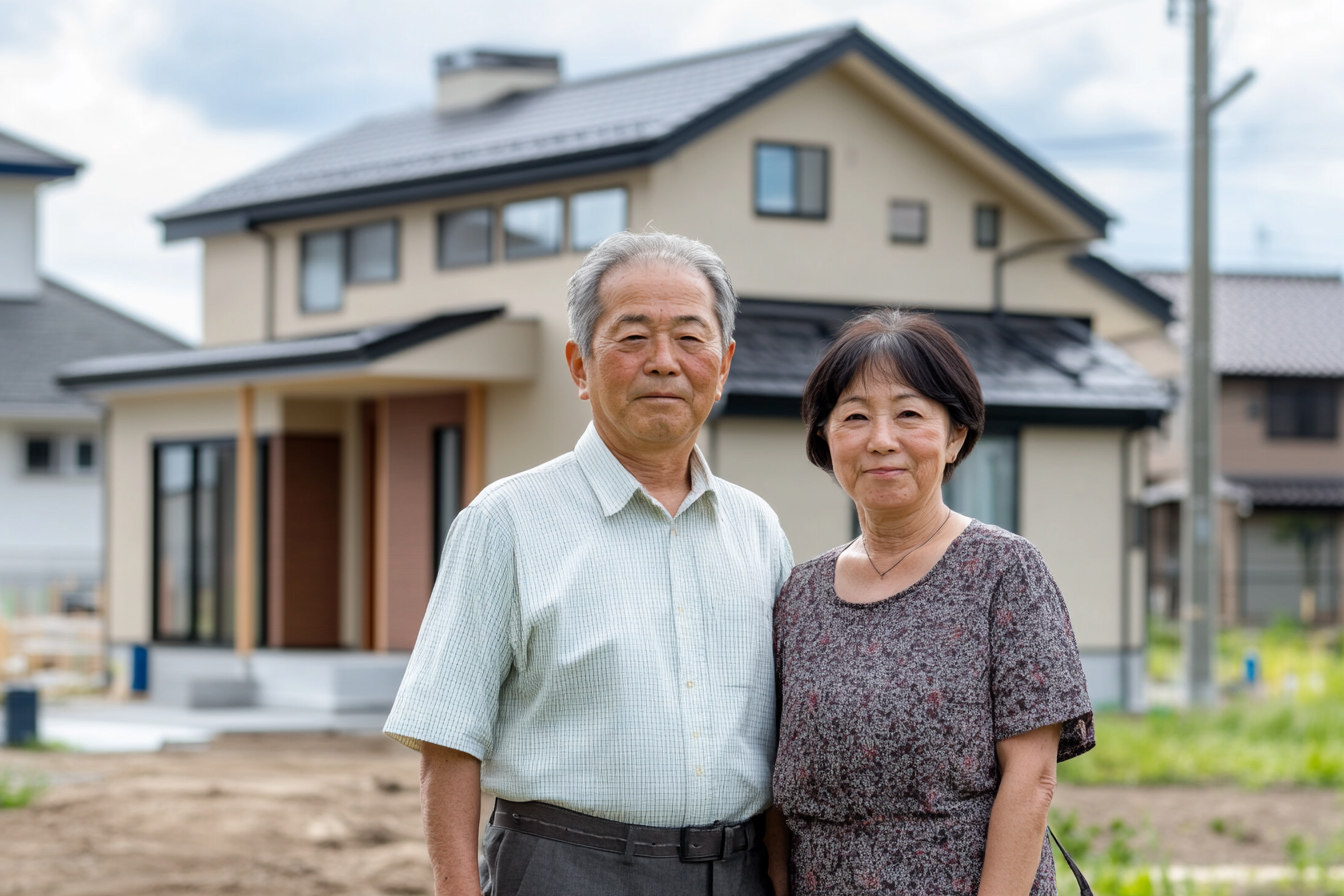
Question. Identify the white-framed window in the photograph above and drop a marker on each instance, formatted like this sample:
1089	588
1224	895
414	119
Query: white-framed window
987	221
791	180
595	215
329	259
86	454
908	221
41	454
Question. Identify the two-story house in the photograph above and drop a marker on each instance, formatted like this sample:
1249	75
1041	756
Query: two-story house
1279	353
386	312
51	440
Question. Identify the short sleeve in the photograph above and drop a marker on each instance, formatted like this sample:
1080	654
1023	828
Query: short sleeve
1036	674
450	693
783	559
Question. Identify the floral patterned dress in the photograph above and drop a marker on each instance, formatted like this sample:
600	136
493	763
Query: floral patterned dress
889	713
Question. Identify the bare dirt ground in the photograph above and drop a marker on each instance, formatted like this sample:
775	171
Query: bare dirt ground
315	814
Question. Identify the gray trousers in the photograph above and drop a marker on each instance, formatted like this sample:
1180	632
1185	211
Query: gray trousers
518	864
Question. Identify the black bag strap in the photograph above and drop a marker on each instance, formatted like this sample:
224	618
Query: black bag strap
1083	888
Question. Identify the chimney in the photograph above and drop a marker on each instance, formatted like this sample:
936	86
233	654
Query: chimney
470	79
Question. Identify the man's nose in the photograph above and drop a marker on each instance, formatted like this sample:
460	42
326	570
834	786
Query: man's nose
662	359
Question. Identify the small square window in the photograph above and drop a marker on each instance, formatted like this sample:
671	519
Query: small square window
373	252
39	454
791	180
533	227
596	215
987	226
465	237
84	455
323	277
908	221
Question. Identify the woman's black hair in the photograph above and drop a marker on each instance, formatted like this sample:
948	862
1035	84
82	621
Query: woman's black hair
911	348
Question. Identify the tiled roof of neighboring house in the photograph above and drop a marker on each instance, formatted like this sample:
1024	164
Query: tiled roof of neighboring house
23	158
60	326
1304	492
1270	325
290	355
575	128
1042	369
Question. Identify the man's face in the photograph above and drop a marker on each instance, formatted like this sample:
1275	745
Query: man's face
658	361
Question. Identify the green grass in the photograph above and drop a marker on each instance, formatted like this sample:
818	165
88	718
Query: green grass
18	790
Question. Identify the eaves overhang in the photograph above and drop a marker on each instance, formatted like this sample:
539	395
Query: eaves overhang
1125	285
645	152
320	354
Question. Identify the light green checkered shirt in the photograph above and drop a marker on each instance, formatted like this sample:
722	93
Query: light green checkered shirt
599	654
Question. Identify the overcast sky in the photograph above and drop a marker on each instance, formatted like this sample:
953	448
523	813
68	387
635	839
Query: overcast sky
163	99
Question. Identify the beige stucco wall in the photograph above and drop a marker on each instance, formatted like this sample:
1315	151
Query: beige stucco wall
1245	444
1071	509
233	282
766	457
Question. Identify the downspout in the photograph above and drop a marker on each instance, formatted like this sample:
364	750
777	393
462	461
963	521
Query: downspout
268	288
1001	259
1129	509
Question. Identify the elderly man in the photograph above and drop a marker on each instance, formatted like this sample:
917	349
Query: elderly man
597	650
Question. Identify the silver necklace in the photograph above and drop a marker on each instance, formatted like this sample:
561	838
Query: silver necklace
883	575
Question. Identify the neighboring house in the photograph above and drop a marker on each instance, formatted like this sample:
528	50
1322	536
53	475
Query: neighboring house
395	295
51	490
1279	353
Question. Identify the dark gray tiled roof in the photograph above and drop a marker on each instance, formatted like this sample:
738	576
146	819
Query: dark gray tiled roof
601	124
282	355
37	337
1280	492
1268	324
21	157
1025	363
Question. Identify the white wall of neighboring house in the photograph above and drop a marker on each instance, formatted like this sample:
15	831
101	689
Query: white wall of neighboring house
51	524
18	238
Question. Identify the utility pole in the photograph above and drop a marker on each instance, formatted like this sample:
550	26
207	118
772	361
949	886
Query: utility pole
1199	513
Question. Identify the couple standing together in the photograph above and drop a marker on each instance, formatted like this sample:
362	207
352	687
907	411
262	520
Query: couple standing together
619	646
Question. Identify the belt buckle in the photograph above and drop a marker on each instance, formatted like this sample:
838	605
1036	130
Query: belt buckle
697	841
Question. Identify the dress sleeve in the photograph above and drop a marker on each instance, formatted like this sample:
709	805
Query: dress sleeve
1036	674
465	649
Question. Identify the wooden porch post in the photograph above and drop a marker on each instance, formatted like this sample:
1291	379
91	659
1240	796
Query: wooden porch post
382	474
245	527
473	453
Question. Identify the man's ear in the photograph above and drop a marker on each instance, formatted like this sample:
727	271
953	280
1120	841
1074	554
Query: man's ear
724	365
577	371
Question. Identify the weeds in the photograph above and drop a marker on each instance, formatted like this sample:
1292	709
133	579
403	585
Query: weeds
18	790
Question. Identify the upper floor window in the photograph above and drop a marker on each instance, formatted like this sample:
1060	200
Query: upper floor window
533	227
596	215
908	221
1303	409
465	237
366	253
85	457
39	454
791	180
987	226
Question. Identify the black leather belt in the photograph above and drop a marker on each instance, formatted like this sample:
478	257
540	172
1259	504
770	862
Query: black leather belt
694	844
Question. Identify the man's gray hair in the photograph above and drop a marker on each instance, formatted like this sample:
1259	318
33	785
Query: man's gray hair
624	249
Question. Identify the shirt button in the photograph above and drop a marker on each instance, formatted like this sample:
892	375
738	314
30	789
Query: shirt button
674	531
690	684
695	734
699	770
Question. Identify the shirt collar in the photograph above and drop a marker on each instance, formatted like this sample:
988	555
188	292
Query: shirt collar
614	485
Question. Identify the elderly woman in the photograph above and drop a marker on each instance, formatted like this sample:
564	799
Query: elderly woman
929	675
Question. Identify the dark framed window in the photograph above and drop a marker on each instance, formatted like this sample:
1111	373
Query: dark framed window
193	541
791	181
329	259
40	455
596	215
985	485
447	483
1303	409
85	456
533	227
987	220
908	221
466	237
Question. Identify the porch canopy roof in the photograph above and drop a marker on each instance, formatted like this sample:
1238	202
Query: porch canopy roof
1294	491
470	345
1032	369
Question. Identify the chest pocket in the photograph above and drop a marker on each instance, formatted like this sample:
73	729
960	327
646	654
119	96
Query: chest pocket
739	636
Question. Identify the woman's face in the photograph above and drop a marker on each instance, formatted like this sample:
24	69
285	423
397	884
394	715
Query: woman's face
889	444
